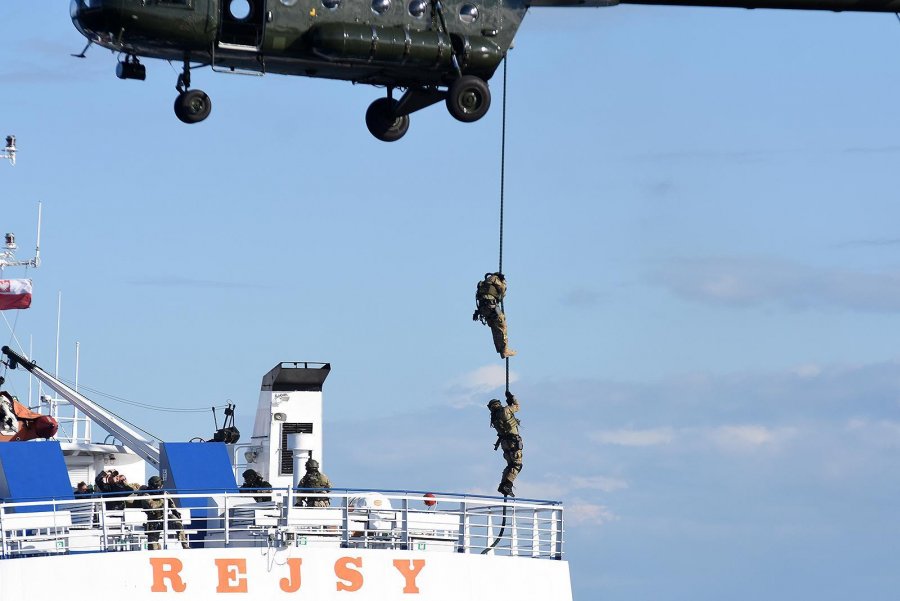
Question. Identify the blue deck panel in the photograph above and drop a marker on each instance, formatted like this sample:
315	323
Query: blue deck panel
197	466
201	467
33	470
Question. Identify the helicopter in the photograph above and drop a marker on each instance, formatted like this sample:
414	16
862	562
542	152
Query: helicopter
432	50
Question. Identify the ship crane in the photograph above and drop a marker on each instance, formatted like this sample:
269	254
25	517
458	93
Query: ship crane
129	435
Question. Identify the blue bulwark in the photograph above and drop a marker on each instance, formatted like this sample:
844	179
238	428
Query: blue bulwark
196	467
31	471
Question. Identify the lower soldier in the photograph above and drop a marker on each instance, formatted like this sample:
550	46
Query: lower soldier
155	516
488	300
253	482
315	481
504	421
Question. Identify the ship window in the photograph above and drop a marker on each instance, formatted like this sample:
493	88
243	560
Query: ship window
287	458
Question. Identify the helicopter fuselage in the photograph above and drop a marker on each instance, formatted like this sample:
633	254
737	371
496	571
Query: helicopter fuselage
397	43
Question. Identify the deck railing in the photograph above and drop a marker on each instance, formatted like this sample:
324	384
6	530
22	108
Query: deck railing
399	520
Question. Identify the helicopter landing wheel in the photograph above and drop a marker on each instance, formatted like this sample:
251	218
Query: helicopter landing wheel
468	98
192	106
382	121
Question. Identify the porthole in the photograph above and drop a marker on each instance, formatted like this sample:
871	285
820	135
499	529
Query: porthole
417	8
381	6
289	2
239	9
331	4
468	13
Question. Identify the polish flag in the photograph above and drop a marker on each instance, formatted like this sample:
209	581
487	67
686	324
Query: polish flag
15	294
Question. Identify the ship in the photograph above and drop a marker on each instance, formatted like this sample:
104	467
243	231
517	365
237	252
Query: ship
213	538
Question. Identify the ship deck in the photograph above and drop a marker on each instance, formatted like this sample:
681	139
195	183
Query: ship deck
354	519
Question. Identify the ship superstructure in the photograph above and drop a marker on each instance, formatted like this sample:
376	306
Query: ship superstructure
374	544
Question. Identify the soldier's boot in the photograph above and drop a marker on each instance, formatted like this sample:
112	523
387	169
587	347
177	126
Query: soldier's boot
507	353
506	489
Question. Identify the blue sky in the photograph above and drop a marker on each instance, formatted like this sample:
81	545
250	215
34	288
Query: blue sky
702	249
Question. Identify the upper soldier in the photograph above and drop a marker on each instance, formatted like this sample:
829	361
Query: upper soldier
506	424
156	522
253	482
316	481
488	299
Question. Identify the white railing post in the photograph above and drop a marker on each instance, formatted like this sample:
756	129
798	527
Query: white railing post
490	532
227	521
165	510
556	534
104	542
3	543
514	533
345	521
462	541
535	535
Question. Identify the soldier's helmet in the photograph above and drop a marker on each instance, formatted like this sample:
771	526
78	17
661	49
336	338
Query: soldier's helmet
250	475
154	482
312	464
494	404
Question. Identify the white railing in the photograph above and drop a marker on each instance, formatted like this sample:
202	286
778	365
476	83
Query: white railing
352	519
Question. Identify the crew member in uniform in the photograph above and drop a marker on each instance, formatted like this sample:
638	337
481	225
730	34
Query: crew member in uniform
504	421
488	299
316	481
253	482
154	509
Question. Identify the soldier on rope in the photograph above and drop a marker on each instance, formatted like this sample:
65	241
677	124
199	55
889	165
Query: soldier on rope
489	309
504	421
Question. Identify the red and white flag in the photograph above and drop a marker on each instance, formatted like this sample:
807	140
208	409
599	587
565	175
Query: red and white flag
15	294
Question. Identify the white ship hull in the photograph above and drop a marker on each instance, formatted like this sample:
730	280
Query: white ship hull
253	573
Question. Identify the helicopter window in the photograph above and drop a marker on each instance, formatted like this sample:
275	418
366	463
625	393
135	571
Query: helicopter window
381	6
239	9
468	13
417	8
331	4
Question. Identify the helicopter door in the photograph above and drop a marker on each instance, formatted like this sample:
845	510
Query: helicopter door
242	23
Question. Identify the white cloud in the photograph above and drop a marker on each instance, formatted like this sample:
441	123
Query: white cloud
749	436
880	433
634	438
760	280
807	370
579	511
601	483
472	387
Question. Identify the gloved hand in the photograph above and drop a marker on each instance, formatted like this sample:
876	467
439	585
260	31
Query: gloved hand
510	396
475	316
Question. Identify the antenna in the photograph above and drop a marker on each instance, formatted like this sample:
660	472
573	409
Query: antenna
8	251
10	151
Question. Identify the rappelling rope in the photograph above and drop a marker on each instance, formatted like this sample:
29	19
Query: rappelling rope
502	190
499	535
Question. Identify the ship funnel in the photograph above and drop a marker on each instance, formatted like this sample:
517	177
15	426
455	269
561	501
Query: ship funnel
288	426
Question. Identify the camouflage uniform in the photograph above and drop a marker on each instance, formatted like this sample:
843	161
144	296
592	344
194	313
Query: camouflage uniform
318	482
489	298
154	509
506	424
253	482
